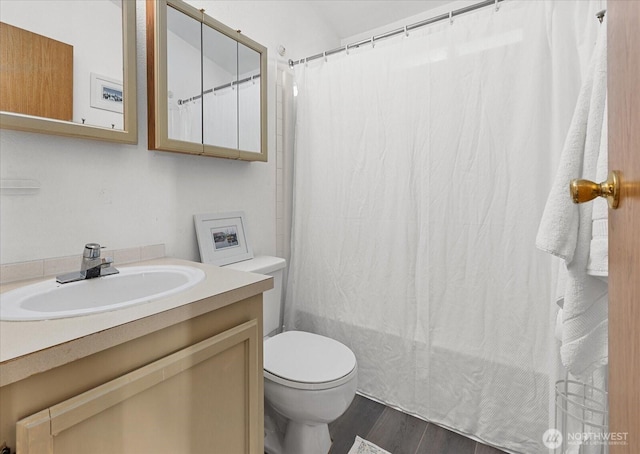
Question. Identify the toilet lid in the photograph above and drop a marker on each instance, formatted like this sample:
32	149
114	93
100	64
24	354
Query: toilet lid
307	358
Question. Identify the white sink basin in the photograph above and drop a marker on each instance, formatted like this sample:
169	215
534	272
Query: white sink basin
134	285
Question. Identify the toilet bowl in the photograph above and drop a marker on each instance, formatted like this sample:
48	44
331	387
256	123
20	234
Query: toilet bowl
309	380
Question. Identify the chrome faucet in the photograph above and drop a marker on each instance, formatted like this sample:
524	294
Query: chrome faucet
92	266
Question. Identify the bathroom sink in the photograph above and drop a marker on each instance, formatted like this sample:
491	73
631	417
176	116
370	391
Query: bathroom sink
133	285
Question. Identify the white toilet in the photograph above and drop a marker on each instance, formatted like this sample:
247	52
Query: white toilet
309	380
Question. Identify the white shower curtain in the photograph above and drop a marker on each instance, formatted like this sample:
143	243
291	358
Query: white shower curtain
220	115
421	171
185	121
231	117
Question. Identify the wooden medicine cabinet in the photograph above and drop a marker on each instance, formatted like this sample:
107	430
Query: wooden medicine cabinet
207	85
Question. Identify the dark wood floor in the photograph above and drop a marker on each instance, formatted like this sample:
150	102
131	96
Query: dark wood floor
397	432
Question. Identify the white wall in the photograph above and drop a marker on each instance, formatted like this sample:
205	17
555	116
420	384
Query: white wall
429	11
126	196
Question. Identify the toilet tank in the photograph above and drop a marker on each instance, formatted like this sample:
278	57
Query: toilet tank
272	299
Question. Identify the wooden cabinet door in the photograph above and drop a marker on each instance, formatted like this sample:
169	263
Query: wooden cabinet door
202	399
36	76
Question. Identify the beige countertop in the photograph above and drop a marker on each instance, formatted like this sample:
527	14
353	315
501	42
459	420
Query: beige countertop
29	347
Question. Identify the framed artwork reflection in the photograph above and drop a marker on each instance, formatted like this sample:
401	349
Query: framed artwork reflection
106	93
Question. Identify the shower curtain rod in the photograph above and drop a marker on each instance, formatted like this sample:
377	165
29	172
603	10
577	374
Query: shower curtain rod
211	90
406	29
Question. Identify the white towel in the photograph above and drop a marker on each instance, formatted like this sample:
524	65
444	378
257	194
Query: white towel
598	264
566	229
557	332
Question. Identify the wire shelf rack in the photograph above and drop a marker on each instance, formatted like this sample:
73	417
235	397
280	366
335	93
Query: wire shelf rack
582	417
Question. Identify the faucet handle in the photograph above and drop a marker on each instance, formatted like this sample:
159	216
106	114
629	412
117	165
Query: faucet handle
91	251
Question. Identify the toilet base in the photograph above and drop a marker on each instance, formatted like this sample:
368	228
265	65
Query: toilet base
296	438
300	437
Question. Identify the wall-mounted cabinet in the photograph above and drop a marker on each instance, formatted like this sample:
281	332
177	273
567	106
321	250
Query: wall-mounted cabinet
207	85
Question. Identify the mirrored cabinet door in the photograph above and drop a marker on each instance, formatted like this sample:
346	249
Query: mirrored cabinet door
248	99
184	83
220	94
207	85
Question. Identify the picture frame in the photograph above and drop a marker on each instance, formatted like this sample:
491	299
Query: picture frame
106	93
222	237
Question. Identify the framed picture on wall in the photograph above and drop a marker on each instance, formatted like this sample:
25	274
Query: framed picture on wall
106	93
222	238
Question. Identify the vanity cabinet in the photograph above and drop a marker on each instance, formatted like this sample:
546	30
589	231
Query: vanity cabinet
193	387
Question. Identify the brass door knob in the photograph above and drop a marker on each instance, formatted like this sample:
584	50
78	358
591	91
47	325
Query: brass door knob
585	190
